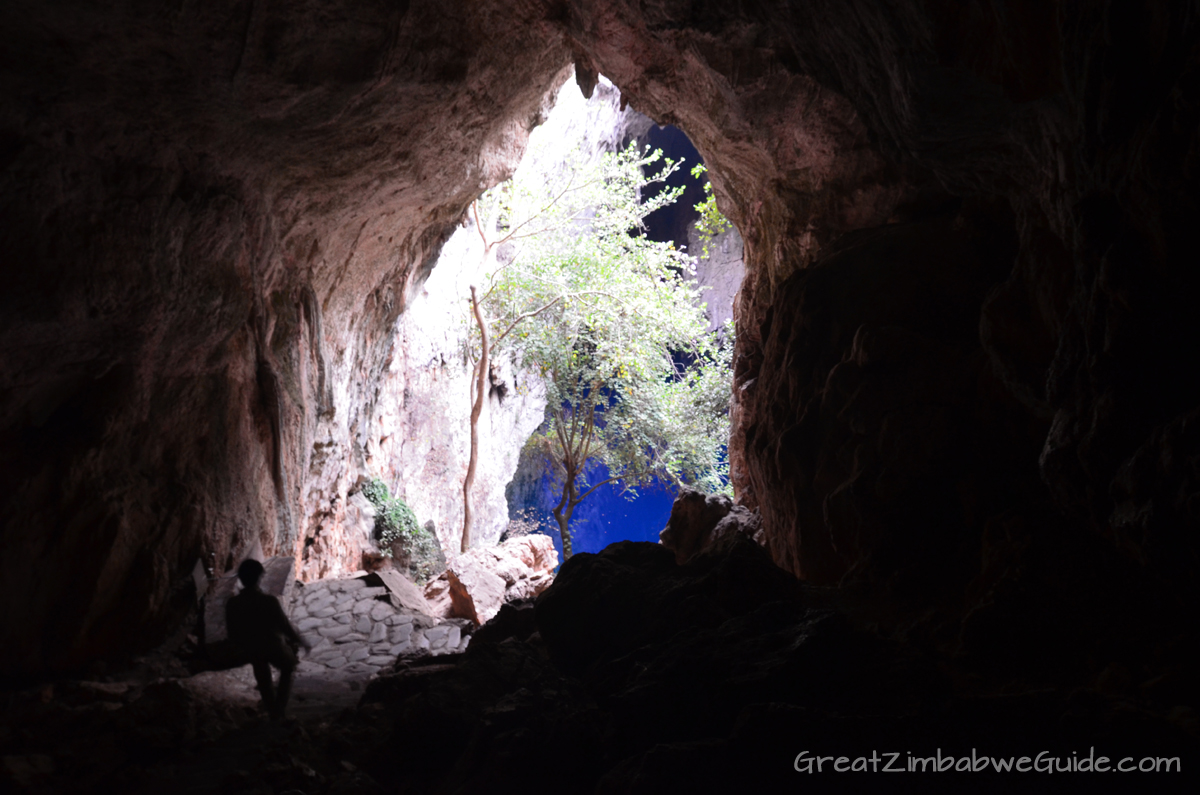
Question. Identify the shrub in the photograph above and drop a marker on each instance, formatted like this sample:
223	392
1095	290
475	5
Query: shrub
396	526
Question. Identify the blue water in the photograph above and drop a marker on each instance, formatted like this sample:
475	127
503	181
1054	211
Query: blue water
607	515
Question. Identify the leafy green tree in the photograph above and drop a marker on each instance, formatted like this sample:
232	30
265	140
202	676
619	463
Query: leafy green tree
611	322
711	222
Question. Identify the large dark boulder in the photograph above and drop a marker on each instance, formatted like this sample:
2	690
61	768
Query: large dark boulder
632	594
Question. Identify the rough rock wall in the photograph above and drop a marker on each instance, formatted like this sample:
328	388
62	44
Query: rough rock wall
213	215
1067	128
722	272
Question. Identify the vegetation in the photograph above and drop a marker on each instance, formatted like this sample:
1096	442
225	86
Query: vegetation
711	223
396	526
612	323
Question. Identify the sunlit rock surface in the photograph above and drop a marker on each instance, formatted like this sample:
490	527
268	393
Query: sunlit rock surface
420	441
721	271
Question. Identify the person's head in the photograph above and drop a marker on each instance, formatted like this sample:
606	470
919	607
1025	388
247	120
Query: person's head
249	572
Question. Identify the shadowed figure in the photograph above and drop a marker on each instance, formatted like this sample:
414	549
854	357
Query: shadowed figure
258	627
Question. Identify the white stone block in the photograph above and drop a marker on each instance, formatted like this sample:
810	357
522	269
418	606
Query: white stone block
305	624
363	607
363	624
378	632
324	612
361	653
343	618
380	659
353	637
334	631
437	634
316	596
381	610
455	636
400	648
401	633
329	657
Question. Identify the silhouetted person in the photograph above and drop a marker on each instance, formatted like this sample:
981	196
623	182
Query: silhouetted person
259	628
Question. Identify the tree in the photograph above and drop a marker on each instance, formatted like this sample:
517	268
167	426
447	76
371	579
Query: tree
610	321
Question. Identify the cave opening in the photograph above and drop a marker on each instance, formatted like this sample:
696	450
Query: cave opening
600	126
963	430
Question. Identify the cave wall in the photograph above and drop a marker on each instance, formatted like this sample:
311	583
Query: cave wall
214	214
1059	138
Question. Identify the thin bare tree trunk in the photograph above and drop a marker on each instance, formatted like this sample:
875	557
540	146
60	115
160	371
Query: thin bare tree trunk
481	369
562	513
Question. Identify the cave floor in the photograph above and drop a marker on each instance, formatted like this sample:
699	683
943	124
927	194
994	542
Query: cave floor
199	733
632	674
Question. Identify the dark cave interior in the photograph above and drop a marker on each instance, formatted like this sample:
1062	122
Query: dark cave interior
966	422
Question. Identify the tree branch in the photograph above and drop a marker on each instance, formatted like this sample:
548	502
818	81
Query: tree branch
583	496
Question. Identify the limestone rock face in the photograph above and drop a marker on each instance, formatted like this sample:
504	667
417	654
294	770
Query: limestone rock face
872	379
421	440
722	271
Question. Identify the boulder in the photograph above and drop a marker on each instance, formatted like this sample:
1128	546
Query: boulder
403	594
630	594
482	579
437	594
699	520
476	591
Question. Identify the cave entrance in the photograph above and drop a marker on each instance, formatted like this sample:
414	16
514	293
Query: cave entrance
611	513
422	443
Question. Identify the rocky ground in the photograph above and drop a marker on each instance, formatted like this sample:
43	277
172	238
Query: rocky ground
165	724
187	717
632	673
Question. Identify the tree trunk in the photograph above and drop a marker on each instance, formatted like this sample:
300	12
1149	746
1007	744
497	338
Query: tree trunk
481	369
564	530
564	509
